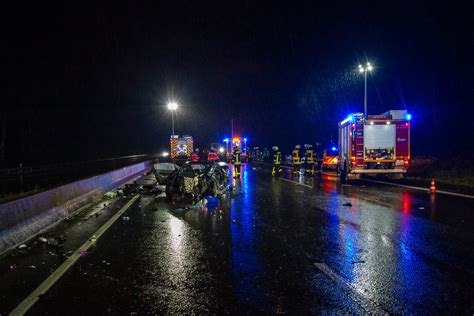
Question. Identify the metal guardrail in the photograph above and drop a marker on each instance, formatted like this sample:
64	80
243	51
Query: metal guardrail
35	178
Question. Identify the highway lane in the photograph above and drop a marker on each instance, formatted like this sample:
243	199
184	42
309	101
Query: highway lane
277	246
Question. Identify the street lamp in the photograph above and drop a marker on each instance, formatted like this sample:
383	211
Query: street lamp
364	70
172	106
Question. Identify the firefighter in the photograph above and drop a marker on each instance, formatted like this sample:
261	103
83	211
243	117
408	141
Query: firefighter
276	170
237	161
296	160
309	154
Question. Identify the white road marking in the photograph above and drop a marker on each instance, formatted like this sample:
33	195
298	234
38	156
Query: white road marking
31	299
366	303
303	184
421	189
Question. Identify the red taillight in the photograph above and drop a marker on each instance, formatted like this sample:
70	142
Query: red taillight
405	163
407	124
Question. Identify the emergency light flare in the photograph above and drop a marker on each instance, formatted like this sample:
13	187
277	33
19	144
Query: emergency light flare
350	118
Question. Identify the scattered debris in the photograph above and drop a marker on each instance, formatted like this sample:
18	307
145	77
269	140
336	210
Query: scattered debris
23	246
347	204
234	221
110	195
84	253
32	267
421	208
125	218
42	239
52	253
13	267
56	242
131	188
53	242
93	238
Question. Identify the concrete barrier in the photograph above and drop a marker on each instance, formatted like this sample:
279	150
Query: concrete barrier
24	218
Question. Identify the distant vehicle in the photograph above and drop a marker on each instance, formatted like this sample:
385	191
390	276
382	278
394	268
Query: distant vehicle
374	144
256	154
220	150
181	147
195	179
242	144
212	155
330	159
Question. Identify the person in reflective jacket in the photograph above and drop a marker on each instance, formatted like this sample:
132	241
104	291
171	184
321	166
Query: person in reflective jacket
296	160
276	170
237	161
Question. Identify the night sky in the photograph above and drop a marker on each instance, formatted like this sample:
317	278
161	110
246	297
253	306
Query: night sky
92	81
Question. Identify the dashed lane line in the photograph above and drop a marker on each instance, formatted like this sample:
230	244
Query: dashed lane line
294	182
371	307
31	299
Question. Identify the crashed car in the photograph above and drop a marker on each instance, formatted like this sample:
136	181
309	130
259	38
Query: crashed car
163	170
196	179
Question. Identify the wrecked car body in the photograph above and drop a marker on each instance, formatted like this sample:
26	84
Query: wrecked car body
195	179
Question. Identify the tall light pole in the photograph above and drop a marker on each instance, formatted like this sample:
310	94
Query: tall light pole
172	106
365	70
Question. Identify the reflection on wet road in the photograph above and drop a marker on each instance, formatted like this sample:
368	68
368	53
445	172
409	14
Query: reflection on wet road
259	250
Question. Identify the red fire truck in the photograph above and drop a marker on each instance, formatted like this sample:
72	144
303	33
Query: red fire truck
374	144
181	147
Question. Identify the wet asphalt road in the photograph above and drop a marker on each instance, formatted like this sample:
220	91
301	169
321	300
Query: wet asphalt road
272	246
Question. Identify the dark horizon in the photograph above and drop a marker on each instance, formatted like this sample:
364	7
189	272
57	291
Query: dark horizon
93	82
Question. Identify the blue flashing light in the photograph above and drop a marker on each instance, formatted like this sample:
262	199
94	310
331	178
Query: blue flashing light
226	140
408	116
245	139
333	148
350	118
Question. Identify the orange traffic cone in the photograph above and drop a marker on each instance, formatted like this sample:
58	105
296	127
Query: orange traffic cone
432	186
